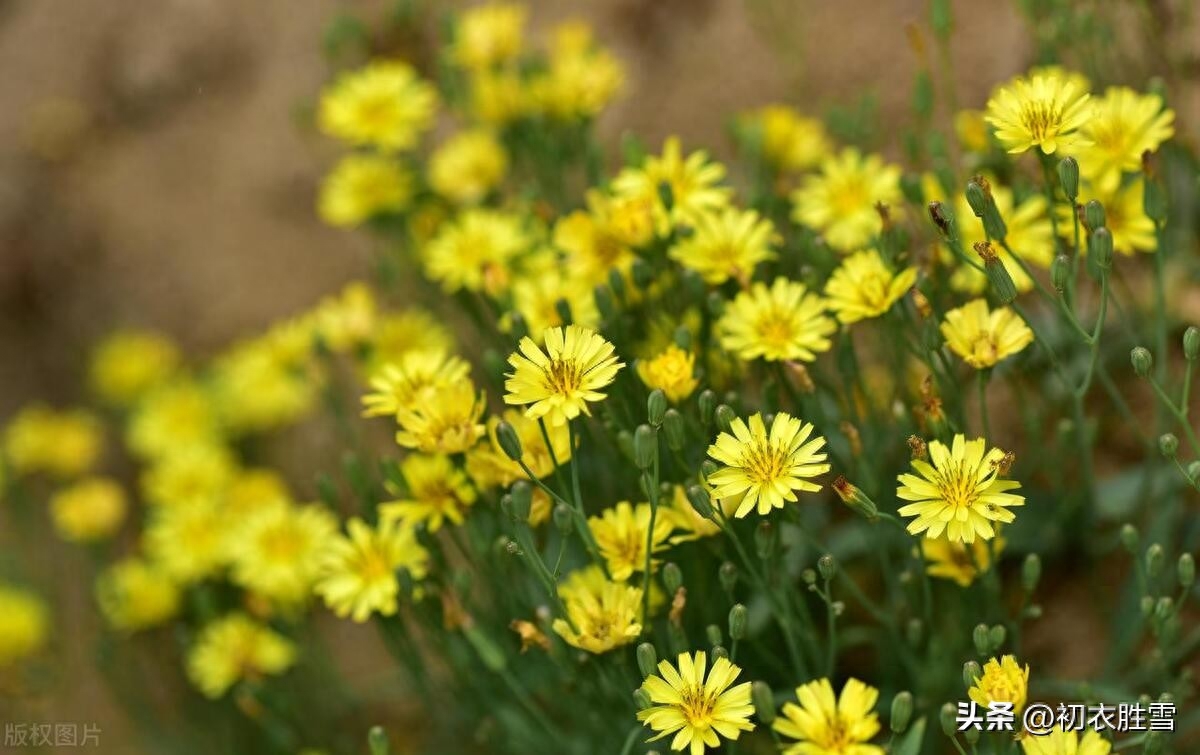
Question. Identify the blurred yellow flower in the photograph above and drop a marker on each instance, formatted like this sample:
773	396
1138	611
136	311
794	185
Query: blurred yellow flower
398	334
558	383
863	286
600	617
536	297
63	443
698	709
971	130
362	186
581	78
487	35
435	492
474	252
1124	124
383	105
962	563
128	363
984	337
134	594
275	550
498	97
840	200
198	473
413	381
959	491
467	166
601	239
785	322
190	542
1124	217
726	243
1003	681
236	648
828	724
91	509
790	141
448	423
346	320
178	414
1066	742
673	372
1046	110
693	183
24	624
253	490
358	569
621	533
254	389
767	469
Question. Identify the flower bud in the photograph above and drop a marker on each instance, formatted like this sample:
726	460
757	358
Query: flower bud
970	673
913	631
673	429
855	499
645	446
604	302
902	709
715	304
827	567
643	274
683	336
910	186
563	516
647	659
708	468
983	642
1093	215
1060	272
997	274
518	327
1068	177
377	741
1186	569
948	715
976	197
1164	607
656	407
972	735
562	308
1168	444
1154	194
698	497
918	447
1129	538
725	416
1142	361
997	635
1102	248
728	576
672	577
522	499
764	539
1155	556
1193	471
988	212
1031	572
713	633
666	195
616	282
494	364
764	702
942	219
706	402
641	698
738	616
510	442
719	651
625	444
1191	343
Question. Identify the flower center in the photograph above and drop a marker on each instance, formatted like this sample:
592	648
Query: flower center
775	328
849	198
697	706
984	349
764	462
1042	119
563	376
957	488
837	736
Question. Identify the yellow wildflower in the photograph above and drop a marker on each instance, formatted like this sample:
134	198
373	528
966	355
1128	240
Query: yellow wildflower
672	372
581	78
435	492
602	616
189	542
1124	124
537	294
558	383
275	550
178	414
24	624
864	287
91	509
384	105
63	443
971	130
357	575
467	166
693	183
1066	742
199	473
487	35
698	710
128	363
790	141
783	322
959	562
398	334
236	648
621	533
827	724
983	337
726	243
840	200
448	423
474	252
1003	681
767	469
362	186
413	381
1046	110
134	595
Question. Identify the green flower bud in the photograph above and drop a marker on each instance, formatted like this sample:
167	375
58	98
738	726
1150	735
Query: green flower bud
494	364
563	308
1191	343
656	406
997	635
997	274
563	518
1193	471
1143	361
604	302
902	710
972	735
727	575
913	631
715	303
948	715
1060	272
976	197
377	741
645	446
982	640
1068	177
674	430
1153	744
683	336
518	327
1130	538
616	282
625	444
764	539
725	416
1186	569
910	186
510	442
647	659
708	468
1154	198
1093	215
719	651
764	702
706	402
1163	608
855	499
970	673
827	567
942	219
643	274
666	195
738	615
1031	572
809	577
1168	444
698	497
923	94
672	577
713	633
987	211
641	698
1155	557
1102	248
521	495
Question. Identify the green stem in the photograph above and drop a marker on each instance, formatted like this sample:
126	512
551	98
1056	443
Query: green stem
982	380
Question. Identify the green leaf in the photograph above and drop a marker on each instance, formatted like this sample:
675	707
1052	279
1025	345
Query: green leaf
910	743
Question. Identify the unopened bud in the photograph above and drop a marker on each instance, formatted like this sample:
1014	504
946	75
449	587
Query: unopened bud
672	577
855	499
1164	607
1155	556
1068	177
1168	444
673	429
913	631
1193	471
1142	361
1060	272
1191	343
604	302
377	741
719	651
987	211
942	219
715	303
666	195
1154	194
996	636
1129	538
1186	569
971	673
764	539
1102	248
1093	215
948	716
521	495
643	275
616	282
656	407
738	615
645	446
918	447
725	416
827	567
641	698
902	710
510	442
563	516
698	497
983	642
997	274
562	308
764	702
727	575
647	659
1031	572
706	402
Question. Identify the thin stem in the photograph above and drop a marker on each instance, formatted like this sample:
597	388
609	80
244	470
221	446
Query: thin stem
982	381
1188	432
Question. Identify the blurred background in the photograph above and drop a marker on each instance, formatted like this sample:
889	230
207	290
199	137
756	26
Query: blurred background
158	167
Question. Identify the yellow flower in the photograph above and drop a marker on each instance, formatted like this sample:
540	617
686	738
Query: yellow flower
673	372
448	423
557	384
767	469
971	130
398	334
962	563
581	79
696	709
91	509
413	381
358	570
362	186
467	166
1045	110
726	243
621	533
489	466
864	287
498	97
825	724
840	200
189	541
474	251
693	182
345	320
1003	681
63	443
436	492
178	414
255	388
983	337
24	624
128	363
489	34
1124	217
1124	124
536	296
254	490
236	648
384	104
1066	742
790	141
600	617
275	550
785	322
959	491
601	239
199	473
134	595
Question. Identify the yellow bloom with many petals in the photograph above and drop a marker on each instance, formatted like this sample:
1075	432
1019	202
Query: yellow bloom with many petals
344	321
256	388
24	624
790	141
983	337
498	96
1066	742
253	490
383	105
413	381
189	542
840	200
476	250
825	724
536	296
621	533
693	183
581	78
960	491
956	561
785	322
179	413
673	371
558	383
697	709
1124	217
357	572
449	423
128	363
398	334
236	648
487	35
864	286
194	474
362	186
275	551
1003	681
1124	124
91	509
600	616
971	130
134	595
1045	110
726	243
435	492
767	469
62	443
467	166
